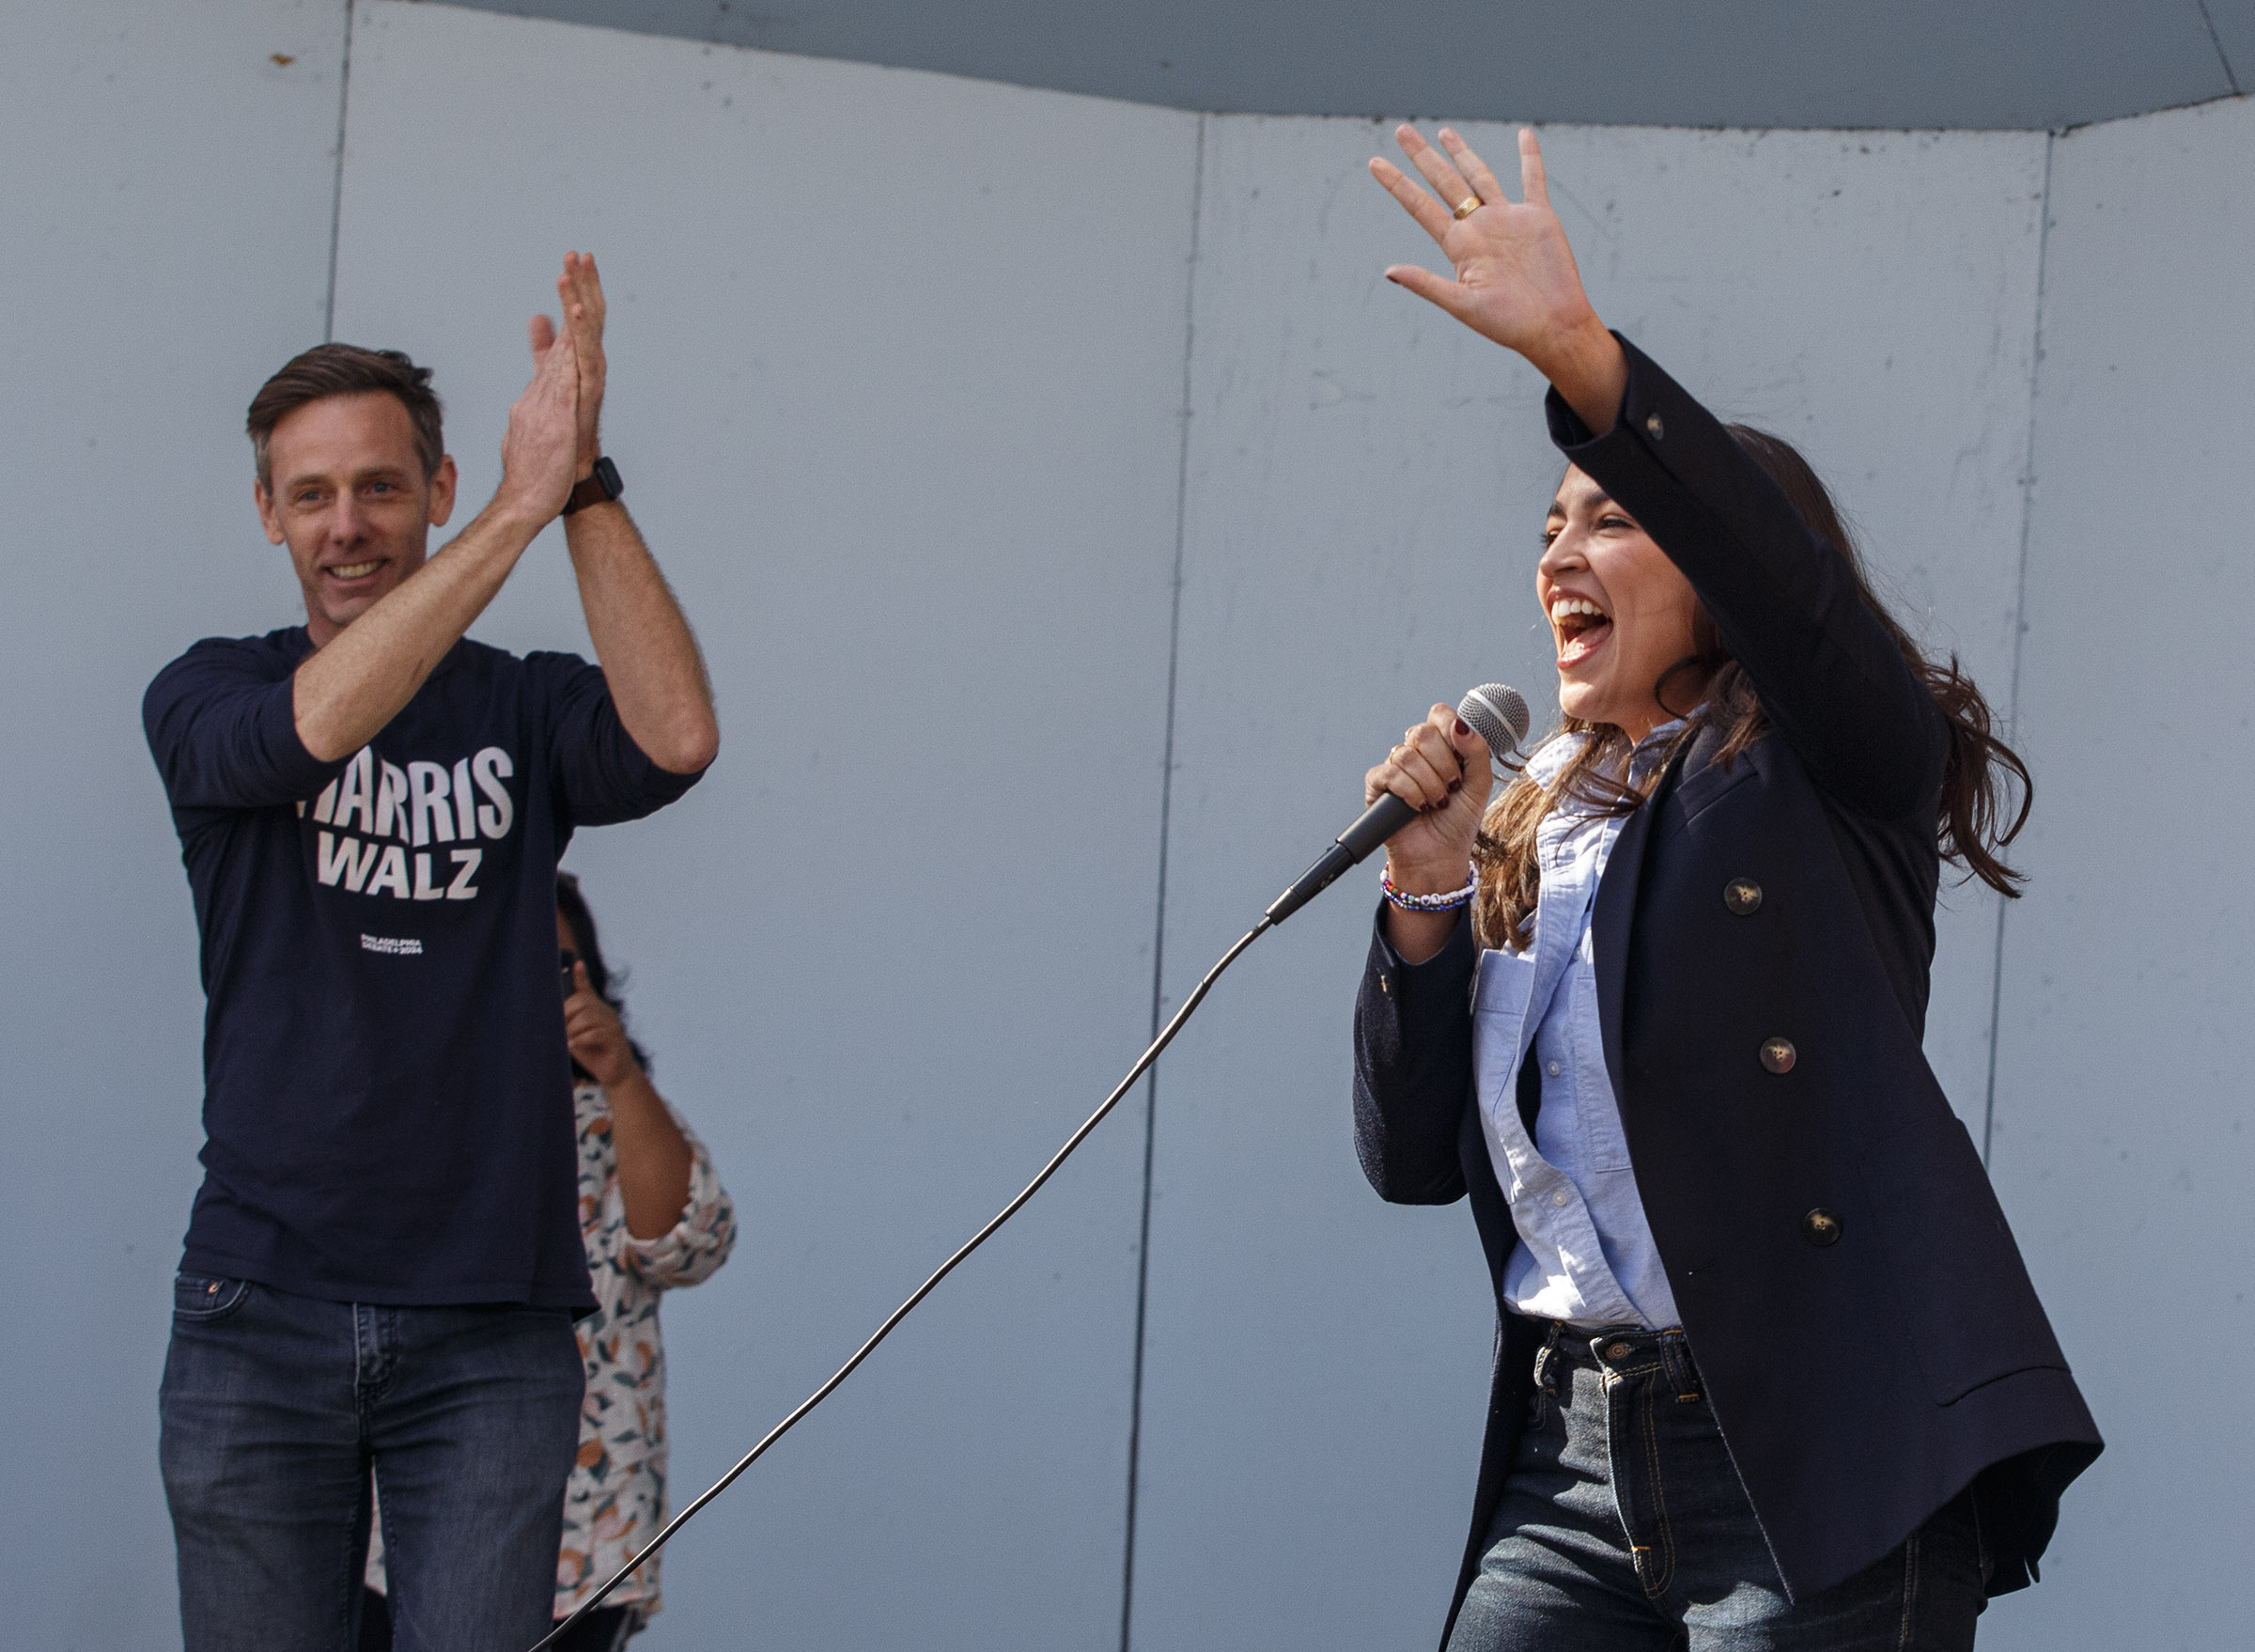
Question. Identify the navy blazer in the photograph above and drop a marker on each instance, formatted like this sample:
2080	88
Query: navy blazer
1866	1370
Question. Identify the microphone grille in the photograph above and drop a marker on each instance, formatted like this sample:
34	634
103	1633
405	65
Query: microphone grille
1499	713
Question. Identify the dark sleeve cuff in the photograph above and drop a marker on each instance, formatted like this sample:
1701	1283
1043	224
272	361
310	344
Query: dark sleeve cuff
224	730
1417	989
297	773
663	785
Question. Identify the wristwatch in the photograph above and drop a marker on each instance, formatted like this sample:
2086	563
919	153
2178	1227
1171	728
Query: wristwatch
601	486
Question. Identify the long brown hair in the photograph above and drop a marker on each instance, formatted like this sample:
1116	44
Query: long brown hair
1982	779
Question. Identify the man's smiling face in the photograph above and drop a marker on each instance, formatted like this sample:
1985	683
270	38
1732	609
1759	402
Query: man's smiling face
349	499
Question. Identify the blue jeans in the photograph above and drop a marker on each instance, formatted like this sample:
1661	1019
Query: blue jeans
1623	1525
276	1406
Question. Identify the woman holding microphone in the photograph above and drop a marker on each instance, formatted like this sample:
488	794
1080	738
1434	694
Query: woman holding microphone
1770	1372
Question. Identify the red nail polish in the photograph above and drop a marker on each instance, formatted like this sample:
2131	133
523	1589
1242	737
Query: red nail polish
1462	727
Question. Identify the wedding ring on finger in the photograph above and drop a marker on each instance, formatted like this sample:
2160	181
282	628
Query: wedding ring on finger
1467	206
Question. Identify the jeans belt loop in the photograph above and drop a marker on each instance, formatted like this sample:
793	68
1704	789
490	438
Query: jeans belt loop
1546	1362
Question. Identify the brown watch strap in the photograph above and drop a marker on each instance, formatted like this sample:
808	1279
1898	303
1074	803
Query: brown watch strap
599	487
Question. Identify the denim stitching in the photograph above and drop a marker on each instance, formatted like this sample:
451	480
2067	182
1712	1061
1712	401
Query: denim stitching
1659	1497
1624	1372
222	1305
368	1388
362	1339
1624	1490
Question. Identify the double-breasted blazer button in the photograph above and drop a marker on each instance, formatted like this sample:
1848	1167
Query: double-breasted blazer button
1779	1055
1743	896
1821	1228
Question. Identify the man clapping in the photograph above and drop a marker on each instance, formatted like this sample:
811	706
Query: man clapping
385	1258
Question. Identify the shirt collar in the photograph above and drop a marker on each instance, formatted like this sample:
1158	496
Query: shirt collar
1653	746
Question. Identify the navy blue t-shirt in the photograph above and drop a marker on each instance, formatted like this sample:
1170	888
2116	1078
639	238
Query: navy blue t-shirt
388	1099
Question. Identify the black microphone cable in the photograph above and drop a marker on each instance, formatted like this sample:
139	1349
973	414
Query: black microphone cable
1142	1064
1497	712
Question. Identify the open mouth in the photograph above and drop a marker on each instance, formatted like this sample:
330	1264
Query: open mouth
348	572
1582	629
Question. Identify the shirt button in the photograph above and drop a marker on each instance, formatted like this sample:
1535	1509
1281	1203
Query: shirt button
1779	1055
1743	896
1551	1069
1821	1228
1559	1198
1653	426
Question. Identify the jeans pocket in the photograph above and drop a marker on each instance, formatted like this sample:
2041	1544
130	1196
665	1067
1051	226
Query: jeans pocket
198	1298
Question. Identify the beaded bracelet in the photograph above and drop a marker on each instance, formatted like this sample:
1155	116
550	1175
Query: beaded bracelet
1431	903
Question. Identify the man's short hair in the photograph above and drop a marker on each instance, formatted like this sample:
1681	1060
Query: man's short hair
347	369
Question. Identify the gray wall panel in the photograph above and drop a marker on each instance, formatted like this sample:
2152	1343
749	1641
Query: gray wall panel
896	371
1366	489
168	202
2123	1141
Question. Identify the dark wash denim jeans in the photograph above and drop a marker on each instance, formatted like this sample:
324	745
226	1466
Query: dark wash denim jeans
274	1409
1624	1526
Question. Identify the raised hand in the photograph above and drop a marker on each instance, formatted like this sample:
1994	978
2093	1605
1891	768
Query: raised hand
539	451
579	295
1516	280
594	1035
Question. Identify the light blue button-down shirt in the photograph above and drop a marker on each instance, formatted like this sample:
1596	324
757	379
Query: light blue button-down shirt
1585	1253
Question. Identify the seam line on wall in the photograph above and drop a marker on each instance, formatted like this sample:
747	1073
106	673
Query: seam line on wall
1159	933
336	195
2216	41
2012	705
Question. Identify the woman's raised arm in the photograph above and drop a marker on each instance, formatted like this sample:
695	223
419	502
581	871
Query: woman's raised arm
1829	676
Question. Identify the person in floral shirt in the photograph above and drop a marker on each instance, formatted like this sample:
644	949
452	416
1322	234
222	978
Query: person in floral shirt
655	1217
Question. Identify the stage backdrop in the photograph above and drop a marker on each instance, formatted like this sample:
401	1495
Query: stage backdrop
1001	445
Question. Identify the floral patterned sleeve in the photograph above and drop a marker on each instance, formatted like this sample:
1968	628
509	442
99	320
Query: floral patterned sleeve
616	1500
691	1251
